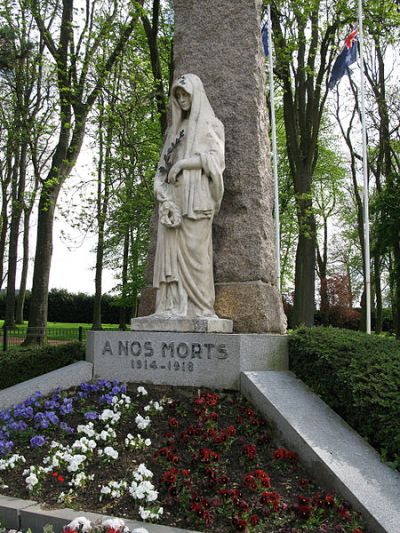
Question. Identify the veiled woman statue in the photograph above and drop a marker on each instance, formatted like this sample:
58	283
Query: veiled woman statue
189	189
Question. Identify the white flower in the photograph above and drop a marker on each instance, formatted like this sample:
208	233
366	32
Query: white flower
114	489
79	480
111	416
150	513
136	442
88	429
142	391
114	523
61	497
80	522
74	461
144	513
9	464
142	423
111	452
31	481
143	471
153	407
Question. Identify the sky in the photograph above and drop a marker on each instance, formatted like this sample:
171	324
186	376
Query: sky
74	256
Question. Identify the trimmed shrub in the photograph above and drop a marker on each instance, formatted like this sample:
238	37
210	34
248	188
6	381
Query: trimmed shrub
21	364
357	375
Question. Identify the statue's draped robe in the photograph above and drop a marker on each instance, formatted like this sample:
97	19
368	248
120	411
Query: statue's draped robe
183	269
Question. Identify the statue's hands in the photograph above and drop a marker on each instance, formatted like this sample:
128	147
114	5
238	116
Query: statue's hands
174	172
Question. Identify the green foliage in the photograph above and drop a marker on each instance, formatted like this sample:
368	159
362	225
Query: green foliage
21	364
72	307
358	375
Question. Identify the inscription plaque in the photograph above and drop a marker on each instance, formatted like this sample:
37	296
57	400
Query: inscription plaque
194	359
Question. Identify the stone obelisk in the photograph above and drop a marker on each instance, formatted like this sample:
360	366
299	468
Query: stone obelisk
221	43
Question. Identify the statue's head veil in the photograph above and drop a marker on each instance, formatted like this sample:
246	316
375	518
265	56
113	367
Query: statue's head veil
201	113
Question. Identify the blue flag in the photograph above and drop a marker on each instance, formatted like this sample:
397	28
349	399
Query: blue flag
264	36
347	57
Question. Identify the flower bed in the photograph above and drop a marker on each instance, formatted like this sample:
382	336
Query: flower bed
189	458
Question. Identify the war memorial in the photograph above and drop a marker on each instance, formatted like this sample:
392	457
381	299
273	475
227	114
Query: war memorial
211	308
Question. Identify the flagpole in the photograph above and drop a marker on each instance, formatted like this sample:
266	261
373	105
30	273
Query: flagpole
274	152
365	178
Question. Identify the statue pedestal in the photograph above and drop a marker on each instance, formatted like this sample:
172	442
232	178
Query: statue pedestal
213	360
182	325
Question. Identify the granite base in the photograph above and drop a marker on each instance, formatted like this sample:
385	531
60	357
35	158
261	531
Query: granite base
212	360
182	325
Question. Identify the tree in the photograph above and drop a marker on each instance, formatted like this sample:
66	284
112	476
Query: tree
75	53
304	34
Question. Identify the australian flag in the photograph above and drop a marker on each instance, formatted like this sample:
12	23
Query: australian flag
347	57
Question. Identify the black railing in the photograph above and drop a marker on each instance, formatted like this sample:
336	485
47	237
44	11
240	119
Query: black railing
16	336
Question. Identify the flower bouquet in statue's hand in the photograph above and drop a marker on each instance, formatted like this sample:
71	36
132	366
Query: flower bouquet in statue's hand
167	156
169	214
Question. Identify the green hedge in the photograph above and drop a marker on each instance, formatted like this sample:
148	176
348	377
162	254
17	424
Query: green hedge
21	364
358	375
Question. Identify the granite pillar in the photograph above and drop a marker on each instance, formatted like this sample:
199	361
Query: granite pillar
221	43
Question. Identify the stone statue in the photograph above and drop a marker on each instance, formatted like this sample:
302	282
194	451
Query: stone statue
189	189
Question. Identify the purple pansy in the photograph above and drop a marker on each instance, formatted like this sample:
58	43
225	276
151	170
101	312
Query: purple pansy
90	415
37	440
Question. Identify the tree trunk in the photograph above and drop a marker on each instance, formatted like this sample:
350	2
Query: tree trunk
304	301
4	226
378	290
44	250
16	209
123	319
396	302
322	261
24	273
102	209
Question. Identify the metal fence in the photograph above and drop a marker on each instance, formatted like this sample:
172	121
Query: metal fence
16	336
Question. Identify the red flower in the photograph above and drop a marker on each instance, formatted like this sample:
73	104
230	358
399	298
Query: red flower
250	481
272	498
54	474
170	476
280	453
357	530
197	508
208	518
208	455
329	500
185	472
211	433
303	511
212	399
344	513
173	422
303	500
239	523
231	431
250	450
291	456
255	519
242	505
60	479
